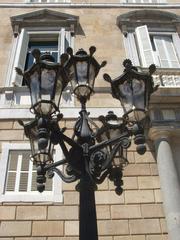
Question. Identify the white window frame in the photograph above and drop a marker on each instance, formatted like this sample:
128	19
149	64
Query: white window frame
47	196
20	47
134	51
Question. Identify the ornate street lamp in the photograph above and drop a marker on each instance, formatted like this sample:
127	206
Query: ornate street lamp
91	155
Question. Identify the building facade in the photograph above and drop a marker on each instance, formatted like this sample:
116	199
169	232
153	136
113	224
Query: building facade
145	32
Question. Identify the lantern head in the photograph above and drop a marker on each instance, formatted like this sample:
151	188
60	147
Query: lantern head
133	89
46	81
83	69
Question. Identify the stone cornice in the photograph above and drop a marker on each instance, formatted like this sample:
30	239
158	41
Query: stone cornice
163	132
90	5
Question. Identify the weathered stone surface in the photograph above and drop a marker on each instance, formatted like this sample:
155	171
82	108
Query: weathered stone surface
62	212
113	227
139	196
152	210
144	226
47	228
108	197
71	228
31	212
150	182
7	212
19	228
125	211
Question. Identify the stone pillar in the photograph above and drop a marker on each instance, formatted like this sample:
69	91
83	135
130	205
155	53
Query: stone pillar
169	181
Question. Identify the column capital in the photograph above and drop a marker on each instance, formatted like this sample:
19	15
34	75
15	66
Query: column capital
158	133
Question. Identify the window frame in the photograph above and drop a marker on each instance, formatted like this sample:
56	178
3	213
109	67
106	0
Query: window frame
135	54
20	48
47	196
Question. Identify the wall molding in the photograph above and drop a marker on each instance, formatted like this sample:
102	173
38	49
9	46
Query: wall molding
68	113
90	5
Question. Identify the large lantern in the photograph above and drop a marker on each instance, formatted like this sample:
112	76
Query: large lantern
133	89
83	69
46	81
40	153
113	127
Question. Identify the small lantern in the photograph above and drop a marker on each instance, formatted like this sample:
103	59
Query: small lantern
112	128
83	69
133	89
38	155
46	81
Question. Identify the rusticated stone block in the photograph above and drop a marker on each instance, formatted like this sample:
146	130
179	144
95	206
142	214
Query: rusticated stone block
150	182
139	196
31	212
125	211
113	227
62	212
144	226
20	228
47	228
152	210
7	212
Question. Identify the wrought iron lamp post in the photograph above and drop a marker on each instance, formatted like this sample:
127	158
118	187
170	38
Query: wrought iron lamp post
91	155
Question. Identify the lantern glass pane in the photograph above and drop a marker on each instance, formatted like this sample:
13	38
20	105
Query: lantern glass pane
47	84
91	75
132	95
138	93
34	87
58	91
82	71
38	156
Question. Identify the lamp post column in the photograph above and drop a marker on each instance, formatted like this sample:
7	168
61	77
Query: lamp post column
87	213
169	182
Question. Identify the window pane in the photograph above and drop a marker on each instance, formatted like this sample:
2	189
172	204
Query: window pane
34	184
25	160
48	185
23	182
13	158
44	46
11	178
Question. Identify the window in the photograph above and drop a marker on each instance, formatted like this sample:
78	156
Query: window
43	46
55	42
46	29
18	176
145	47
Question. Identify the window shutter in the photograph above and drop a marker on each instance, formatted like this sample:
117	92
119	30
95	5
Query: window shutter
166	51
176	41
61	42
64	41
131	49
67	40
144	45
20	58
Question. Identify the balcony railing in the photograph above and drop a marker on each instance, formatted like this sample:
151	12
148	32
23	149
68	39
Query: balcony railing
167	77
